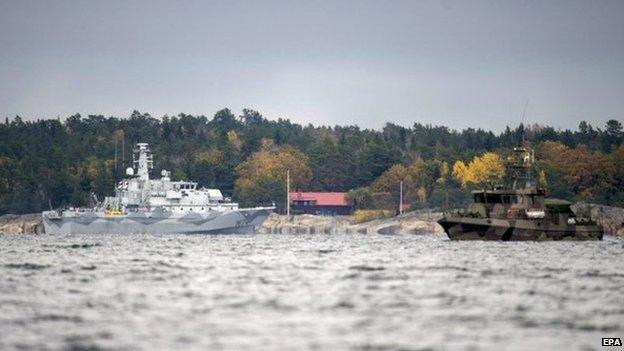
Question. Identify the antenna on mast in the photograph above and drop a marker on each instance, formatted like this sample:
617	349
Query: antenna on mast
524	110
123	149
115	176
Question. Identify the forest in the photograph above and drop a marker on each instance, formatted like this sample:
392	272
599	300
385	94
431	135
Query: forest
51	163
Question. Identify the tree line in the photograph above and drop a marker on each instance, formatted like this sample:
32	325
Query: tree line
50	163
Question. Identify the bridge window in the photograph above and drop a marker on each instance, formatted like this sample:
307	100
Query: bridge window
494	198
510	199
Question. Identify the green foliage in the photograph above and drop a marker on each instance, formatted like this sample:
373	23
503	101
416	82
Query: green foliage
59	163
361	197
332	166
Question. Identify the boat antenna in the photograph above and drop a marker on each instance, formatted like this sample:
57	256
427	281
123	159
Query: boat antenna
123	147
116	169
524	110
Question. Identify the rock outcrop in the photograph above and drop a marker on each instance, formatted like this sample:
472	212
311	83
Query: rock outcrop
21	224
409	223
611	218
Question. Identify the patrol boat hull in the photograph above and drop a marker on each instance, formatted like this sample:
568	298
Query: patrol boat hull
238	221
465	228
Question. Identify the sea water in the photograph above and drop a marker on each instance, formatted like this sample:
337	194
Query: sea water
318	292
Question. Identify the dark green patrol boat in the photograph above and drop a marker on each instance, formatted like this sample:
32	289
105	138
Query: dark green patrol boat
518	211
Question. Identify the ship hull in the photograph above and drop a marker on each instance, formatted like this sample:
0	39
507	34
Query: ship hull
241	221
462	228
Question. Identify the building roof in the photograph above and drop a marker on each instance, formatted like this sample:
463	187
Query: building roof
322	199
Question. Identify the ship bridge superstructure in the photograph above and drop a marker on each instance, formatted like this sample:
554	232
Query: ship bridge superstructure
138	192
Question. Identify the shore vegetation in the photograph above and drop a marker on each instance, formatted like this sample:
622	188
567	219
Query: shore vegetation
59	162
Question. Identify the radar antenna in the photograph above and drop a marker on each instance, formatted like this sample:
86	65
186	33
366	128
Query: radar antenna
144	162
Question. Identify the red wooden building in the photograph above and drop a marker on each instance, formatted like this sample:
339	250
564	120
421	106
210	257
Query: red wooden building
327	204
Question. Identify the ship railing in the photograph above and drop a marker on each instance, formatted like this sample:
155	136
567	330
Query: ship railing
460	212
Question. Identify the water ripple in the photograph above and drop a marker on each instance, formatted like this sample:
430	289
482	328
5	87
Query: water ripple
338	292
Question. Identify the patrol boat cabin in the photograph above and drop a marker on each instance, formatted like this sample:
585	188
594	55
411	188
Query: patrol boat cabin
518	211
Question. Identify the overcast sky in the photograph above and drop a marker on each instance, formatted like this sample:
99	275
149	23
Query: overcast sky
455	63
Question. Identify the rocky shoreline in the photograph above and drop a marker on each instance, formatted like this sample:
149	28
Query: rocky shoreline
611	218
408	223
30	223
417	222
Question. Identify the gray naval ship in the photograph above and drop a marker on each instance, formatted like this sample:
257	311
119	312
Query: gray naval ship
518	210
157	206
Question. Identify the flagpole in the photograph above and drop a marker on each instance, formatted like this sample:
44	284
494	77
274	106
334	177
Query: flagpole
288	193
401	199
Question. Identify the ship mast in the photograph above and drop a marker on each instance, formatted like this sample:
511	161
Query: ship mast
145	161
520	169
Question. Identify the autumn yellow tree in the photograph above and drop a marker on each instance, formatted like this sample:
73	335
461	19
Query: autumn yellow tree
486	170
443	170
262	177
460	173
